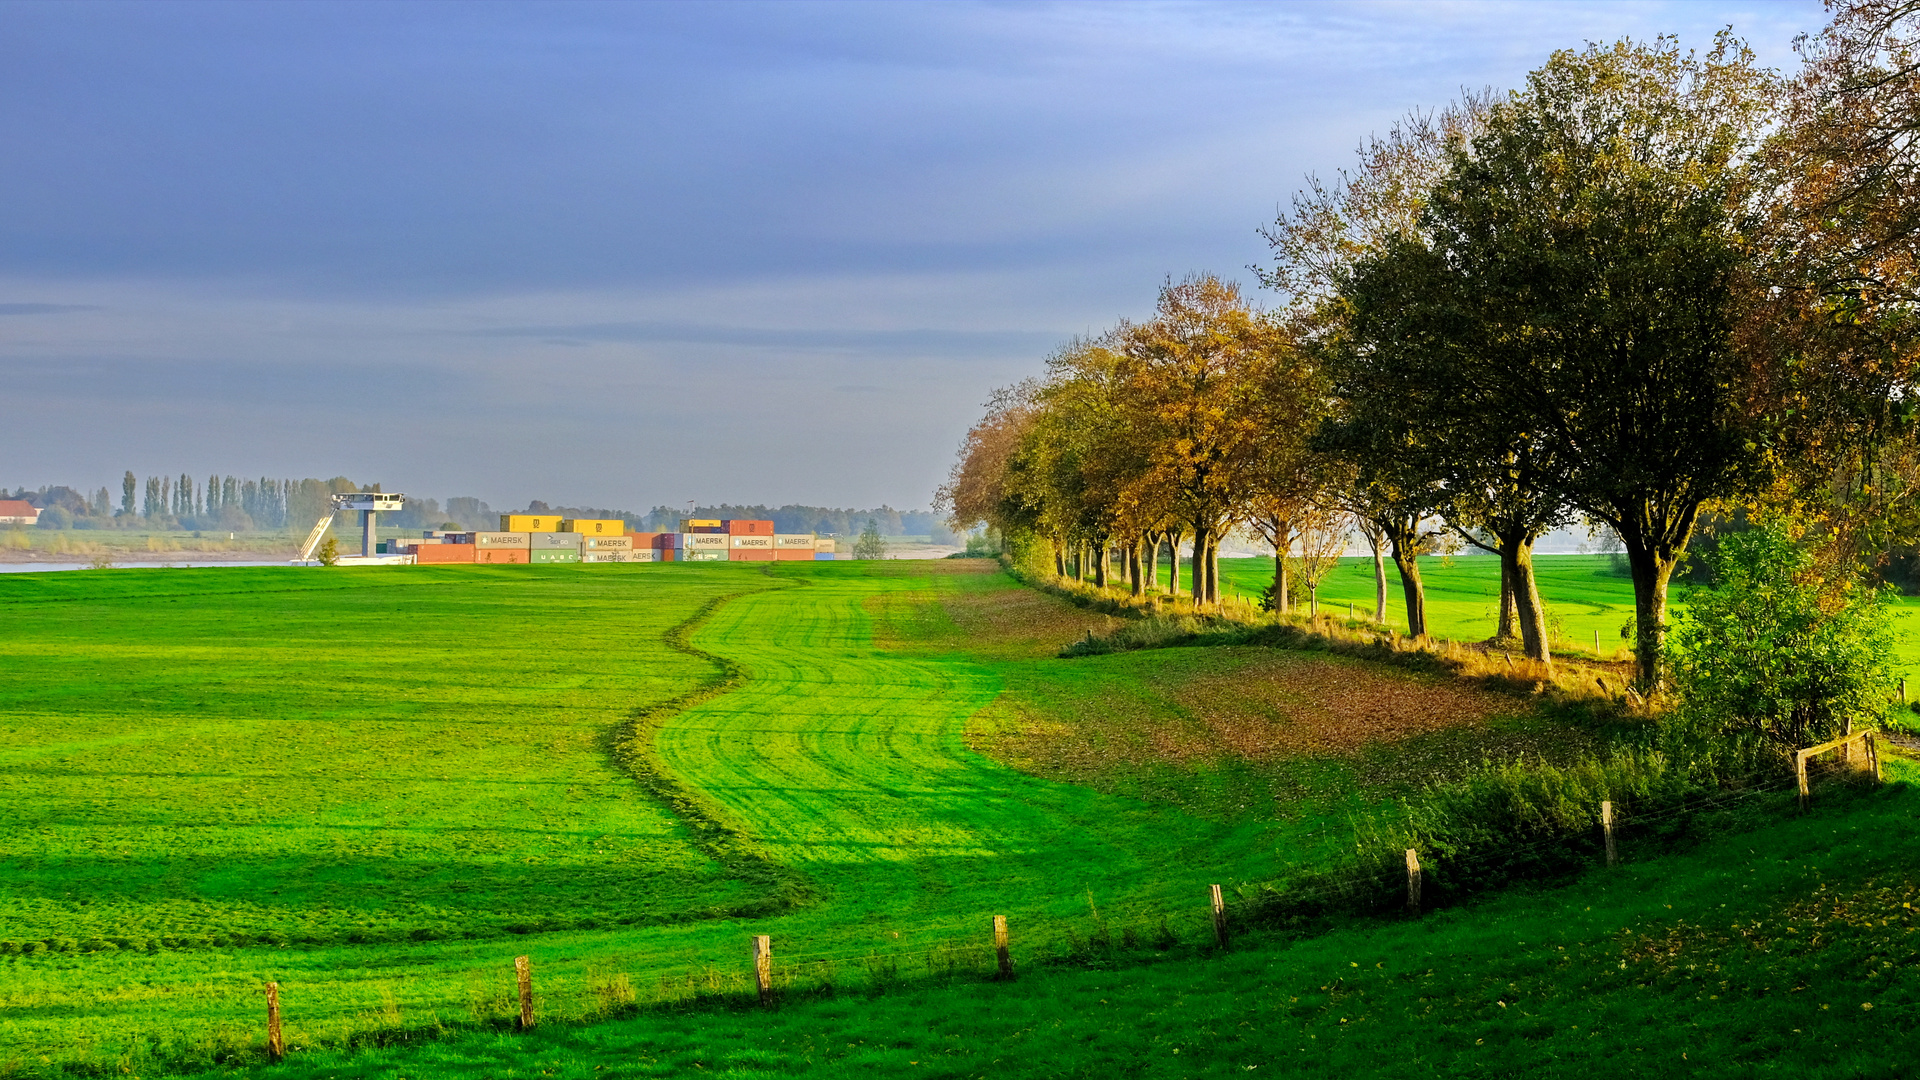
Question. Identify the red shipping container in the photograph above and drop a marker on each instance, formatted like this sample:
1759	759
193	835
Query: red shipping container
750	555
665	554
502	555
444	553
645	540
750	528
792	555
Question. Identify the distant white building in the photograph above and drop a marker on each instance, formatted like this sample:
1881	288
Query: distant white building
18	512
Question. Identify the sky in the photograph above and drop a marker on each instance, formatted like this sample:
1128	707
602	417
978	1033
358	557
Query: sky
625	255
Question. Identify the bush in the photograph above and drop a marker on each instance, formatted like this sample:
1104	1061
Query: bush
1774	652
55	517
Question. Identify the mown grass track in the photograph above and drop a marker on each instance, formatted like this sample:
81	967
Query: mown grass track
849	761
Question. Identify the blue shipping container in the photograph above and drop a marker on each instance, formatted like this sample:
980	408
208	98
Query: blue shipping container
823	556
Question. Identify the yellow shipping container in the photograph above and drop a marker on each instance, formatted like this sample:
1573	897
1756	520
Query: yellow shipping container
529	523
595	527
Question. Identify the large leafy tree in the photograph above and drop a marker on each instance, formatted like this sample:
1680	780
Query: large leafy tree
1593	233
979	490
1195	374
1329	230
1414	325
1836	312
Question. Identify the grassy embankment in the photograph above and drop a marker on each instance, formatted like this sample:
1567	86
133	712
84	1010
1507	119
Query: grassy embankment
1789	951
844	756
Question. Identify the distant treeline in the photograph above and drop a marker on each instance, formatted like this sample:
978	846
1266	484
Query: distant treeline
238	504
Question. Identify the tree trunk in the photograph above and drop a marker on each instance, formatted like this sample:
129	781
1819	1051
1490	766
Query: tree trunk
1059	558
1173	562
1404	538
1101	563
1282	540
1516	568
1213	569
1416	596
1136	579
1153	560
1504	631
1379	584
1202	544
1651	572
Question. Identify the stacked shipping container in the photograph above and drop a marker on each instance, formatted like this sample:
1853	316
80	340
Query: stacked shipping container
538	538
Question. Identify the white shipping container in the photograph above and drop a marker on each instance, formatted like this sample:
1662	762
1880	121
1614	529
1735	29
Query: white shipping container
752	543
823	545
643	555
704	541
794	542
501	540
609	543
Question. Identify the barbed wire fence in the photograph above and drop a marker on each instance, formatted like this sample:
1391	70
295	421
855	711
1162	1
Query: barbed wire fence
1179	919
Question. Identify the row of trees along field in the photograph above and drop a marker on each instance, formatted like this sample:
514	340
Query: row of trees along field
1649	286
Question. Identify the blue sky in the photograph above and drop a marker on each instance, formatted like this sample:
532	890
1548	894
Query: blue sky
628	254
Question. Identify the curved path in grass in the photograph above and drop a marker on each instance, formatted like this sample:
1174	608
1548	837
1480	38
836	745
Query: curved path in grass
847	762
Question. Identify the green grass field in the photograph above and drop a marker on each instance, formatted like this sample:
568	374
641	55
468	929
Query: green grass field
377	786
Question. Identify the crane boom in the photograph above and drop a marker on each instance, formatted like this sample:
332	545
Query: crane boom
313	538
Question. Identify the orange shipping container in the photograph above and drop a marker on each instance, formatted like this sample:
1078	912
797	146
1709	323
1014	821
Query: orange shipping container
750	555
502	555
793	555
444	553
750	528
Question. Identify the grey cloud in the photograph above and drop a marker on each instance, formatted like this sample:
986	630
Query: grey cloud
944	342
44	309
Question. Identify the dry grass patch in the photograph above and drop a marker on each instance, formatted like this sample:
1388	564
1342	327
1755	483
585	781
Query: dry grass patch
1277	705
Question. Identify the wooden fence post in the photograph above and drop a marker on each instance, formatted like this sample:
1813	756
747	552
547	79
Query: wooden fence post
1413	882
1219	917
523	974
1873	755
1000	947
1903	691
1606	827
1596	644
1800	774
763	966
276	1046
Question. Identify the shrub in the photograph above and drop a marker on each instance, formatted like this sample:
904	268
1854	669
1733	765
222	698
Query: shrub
1773	651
